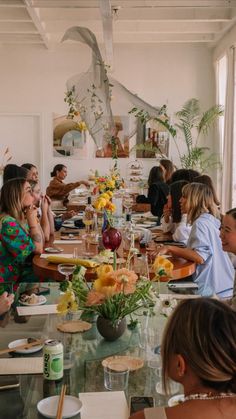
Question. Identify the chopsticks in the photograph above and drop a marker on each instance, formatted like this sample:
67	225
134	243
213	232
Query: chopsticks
61	402
25	346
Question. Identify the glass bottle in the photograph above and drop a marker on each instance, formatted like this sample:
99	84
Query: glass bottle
88	217
128	235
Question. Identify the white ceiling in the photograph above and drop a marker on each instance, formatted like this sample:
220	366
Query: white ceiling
126	21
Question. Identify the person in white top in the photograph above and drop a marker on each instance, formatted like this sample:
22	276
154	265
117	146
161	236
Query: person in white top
172	220
199	352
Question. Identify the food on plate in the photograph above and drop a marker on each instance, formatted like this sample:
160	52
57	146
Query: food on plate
29	299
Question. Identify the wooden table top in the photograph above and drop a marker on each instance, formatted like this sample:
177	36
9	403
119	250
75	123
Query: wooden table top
46	270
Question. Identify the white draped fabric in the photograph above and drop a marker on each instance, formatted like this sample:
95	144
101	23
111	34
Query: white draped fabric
227	170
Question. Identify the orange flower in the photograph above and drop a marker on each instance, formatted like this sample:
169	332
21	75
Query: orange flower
106	283
125	281
94	298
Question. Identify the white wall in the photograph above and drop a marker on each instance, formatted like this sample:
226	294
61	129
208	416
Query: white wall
33	81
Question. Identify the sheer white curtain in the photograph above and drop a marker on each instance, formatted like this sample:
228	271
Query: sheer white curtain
228	140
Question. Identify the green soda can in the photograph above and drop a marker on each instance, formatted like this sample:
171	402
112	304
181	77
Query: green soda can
53	360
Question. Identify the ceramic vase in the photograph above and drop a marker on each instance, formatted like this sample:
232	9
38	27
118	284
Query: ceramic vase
108	330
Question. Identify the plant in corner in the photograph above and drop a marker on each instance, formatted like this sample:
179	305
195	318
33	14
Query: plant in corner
192	122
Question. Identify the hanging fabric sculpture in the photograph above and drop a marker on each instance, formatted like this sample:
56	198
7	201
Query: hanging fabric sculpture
99	97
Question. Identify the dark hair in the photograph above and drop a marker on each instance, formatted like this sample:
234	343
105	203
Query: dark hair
56	169
206	180
208	347
28	166
155	175
176	193
12	171
184	174
169	167
232	212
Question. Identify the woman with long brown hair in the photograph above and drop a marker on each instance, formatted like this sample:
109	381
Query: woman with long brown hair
20	231
199	352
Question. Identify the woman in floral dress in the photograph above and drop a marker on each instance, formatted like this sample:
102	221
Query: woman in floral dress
20	233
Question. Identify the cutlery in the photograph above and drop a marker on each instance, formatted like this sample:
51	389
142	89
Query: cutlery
61	402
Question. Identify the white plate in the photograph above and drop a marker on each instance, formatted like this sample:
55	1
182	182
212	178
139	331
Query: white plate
19	342
53	250
175	400
145	225
48	407
41	300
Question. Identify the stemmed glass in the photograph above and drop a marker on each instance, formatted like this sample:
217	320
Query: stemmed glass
66	269
127	202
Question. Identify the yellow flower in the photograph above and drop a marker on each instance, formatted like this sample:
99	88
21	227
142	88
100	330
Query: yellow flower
82	126
106	283
67	302
105	196
162	267
110	206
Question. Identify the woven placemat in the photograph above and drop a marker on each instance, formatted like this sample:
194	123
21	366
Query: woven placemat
74	326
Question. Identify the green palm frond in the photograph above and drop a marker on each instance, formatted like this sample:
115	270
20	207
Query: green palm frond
209	117
190	113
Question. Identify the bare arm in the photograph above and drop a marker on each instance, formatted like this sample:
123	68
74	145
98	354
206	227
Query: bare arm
44	221
34	229
185	253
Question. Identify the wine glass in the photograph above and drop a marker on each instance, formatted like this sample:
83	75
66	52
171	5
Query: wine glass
66	269
127	202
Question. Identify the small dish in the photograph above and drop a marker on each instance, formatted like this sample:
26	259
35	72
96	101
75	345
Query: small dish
19	342
48	407
41	300
133	363
69	237
175	400
53	250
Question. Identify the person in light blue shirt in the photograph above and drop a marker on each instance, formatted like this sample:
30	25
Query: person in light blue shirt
214	272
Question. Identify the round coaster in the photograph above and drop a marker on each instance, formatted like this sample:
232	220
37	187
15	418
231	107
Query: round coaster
74	326
131	362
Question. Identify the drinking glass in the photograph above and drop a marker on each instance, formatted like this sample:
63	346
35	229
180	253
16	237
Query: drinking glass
116	376
127	203
66	269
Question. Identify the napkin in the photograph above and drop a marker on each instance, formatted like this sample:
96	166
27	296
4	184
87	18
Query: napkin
63	255
67	241
36	310
104	405
77	261
22	365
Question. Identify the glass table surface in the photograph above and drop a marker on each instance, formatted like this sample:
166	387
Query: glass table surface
83	355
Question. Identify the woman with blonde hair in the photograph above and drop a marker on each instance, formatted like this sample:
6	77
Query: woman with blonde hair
214	272
20	233
200	355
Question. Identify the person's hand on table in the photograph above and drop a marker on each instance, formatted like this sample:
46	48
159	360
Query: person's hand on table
166	213
85	182
154	250
6	301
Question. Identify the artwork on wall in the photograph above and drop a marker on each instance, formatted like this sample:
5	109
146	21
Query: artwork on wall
122	138
68	139
152	140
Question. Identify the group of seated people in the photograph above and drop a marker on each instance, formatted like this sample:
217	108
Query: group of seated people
26	219
199	345
187	206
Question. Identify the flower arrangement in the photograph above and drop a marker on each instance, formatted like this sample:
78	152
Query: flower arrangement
113	295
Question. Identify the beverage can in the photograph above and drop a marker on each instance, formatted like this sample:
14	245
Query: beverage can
53	360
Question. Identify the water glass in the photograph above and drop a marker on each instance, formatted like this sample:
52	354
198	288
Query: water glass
116	376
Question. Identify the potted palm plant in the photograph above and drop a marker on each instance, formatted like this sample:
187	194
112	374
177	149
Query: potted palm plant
193	123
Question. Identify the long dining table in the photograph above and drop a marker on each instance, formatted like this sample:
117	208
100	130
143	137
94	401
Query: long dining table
83	355
49	271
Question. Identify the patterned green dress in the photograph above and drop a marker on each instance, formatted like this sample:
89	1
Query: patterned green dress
15	247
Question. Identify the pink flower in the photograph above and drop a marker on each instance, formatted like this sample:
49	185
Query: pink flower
125	281
12	223
94	298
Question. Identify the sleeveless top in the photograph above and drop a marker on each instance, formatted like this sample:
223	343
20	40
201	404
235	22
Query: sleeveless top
155	413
